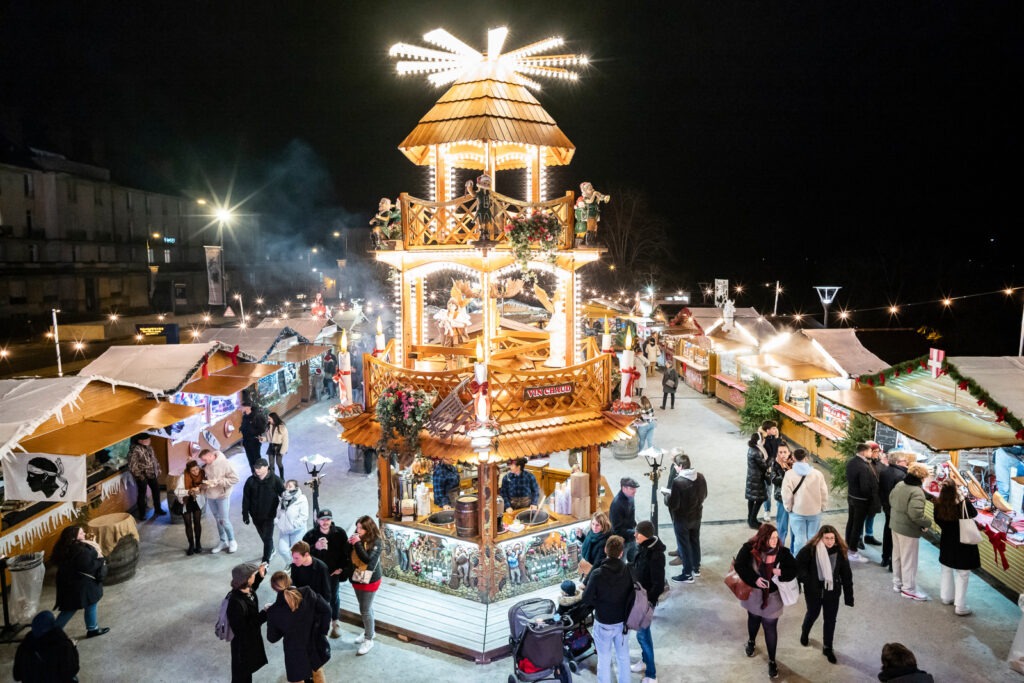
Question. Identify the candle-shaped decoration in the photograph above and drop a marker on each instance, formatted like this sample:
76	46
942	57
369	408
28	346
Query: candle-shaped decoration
481	393
345	371
626	385
606	338
378	340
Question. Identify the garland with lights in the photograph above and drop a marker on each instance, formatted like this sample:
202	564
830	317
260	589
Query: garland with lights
963	383
536	228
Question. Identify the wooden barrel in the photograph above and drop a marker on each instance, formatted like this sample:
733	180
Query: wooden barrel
122	561
466	524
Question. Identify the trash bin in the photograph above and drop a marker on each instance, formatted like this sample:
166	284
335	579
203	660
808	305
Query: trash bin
27	572
626	449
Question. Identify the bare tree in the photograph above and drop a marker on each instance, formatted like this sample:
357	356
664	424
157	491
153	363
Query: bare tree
635	236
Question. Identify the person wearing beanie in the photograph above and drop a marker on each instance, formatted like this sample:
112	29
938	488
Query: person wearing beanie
648	569
46	655
330	545
622	513
908	523
260	497
246	620
570	596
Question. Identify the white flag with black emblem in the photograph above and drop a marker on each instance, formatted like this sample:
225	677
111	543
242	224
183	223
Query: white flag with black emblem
45	477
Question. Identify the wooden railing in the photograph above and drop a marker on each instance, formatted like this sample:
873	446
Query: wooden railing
442	225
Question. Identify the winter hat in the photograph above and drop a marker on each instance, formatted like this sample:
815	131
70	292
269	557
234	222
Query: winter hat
261	462
646	528
630	482
568	587
240	574
43	623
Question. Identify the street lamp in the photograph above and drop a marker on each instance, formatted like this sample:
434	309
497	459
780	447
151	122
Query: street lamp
827	294
654	458
241	310
56	341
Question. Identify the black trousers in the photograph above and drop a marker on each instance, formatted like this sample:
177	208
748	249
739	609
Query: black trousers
665	394
140	501
887	540
252	452
265	528
193	527
818	600
752	507
858	512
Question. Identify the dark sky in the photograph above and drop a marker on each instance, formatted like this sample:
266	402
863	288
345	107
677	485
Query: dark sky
873	145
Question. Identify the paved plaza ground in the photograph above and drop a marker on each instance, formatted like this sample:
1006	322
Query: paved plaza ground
162	620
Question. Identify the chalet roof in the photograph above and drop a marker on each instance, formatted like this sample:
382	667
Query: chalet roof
845	348
255	343
27	403
160	370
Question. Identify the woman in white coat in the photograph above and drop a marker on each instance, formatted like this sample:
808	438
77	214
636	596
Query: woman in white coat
292	517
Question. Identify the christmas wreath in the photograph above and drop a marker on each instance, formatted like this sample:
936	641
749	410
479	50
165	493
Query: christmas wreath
537	228
403	410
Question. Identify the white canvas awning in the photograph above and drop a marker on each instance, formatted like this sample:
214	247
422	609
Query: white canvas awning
159	370
845	348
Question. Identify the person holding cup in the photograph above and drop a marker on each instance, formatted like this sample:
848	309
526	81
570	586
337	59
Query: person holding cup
330	545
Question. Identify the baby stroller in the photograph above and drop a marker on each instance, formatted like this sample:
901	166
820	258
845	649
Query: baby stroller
577	643
536	638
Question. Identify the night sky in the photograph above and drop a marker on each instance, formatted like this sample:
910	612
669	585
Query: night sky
873	145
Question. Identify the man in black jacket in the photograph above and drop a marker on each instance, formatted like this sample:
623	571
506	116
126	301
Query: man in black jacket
622	514
861	491
330	545
610	592
253	427
649	571
260	496
887	480
686	505
306	570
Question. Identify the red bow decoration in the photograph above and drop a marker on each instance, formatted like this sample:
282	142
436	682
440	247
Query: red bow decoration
998	541
881	380
923	363
234	355
871	382
633	374
1020	435
981	401
477	387
896	373
341	373
1001	415
206	369
962	386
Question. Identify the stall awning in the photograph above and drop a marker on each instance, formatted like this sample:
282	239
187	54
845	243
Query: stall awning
230	380
786	369
300	353
939	426
524	439
253	371
100	431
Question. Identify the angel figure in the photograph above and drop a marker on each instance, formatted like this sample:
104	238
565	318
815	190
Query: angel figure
484	218
588	214
453	322
555	327
387	224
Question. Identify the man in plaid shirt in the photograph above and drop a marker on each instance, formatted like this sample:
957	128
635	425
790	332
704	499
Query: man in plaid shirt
445	478
519	488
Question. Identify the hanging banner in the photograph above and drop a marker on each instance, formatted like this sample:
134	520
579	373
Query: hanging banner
45	477
721	292
215	275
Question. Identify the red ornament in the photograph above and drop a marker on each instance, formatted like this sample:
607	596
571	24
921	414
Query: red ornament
896	373
1001	415
234	355
962	386
871	382
981	401
923	363
1020	435
881	379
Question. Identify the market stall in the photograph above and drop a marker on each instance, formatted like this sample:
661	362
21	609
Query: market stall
956	414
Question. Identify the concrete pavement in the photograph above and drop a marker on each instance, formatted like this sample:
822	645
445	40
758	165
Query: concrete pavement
162	620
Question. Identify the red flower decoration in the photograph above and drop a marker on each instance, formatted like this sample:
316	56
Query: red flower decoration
1020	435
981	401
923	363
962	386
871	382
881	380
896	373
1001	415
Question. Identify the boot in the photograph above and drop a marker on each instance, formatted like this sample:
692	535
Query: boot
804	637
829	655
191	550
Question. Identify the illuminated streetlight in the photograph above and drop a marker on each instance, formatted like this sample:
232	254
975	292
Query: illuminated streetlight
894	310
947	302
201	202
112	317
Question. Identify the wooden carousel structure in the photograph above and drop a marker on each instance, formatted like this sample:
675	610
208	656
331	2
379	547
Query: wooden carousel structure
500	390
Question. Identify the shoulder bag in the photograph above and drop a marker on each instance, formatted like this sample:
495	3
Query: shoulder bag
789	591
969	533
740	588
365	575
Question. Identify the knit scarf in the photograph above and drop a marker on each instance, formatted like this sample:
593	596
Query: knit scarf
288	497
824	565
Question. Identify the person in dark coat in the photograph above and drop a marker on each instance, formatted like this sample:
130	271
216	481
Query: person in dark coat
246	619
887	480
622	513
610	591
957	559
330	545
302	618
825	573
46	655
669	383
260	497
592	550
757	470
688	491
307	571
770	440
900	665
861	496
252	428
80	571
648	569
759	561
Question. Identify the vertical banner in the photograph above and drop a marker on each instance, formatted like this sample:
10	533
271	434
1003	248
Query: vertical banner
721	292
215	275
44	477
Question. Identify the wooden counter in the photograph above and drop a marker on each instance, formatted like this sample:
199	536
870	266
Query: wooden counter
448	531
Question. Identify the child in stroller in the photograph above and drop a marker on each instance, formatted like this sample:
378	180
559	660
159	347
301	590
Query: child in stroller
577	641
535	635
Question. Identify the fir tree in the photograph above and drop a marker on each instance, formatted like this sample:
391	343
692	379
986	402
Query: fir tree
860	429
761	398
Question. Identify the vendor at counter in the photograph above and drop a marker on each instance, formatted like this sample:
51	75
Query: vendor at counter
446	484
519	488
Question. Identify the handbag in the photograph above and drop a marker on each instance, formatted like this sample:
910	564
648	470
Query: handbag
365	575
789	591
969	532
740	588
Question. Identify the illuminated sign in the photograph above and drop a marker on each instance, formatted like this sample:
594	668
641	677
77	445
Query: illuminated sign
548	391
169	331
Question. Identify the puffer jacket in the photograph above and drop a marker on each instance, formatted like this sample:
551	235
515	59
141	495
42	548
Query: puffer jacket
907	503
295	516
757	468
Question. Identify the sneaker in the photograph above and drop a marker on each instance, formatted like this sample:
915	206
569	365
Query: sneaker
683	578
638	667
336	629
749	648
897	589
871	540
232	546
915	595
696	573
966	611
365	647
946	602
773	669
647	679
361	638
97	632
219	547
857	557
675	562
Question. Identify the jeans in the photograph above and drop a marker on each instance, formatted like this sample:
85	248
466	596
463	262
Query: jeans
219	508
953	587
286	541
804	527
869	525
688	545
265	528
782	522
1007	465
606	638
643	636
630	551
365	600
92	621
768	489
858	512
140	502
646	434
335	580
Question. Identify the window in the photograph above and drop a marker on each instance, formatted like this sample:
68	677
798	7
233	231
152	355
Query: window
28	219
30	185
115	285
16	292
167	255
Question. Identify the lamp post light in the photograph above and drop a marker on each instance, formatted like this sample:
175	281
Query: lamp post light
827	294
56	341
241	310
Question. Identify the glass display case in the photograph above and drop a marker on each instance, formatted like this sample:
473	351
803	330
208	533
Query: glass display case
832	414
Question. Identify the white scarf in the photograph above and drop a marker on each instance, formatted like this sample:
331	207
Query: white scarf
824	565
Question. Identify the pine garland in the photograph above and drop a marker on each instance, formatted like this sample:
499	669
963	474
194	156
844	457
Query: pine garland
963	383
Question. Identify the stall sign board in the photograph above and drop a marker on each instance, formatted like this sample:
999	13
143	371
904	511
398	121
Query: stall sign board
886	436
563	389
169	331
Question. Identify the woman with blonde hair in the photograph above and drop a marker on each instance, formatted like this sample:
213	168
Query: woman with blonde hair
366	548
302	618
908	524
592	551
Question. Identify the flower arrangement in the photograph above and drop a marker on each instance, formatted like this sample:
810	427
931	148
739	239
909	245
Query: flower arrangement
403	410
340	412
536	228
620	408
